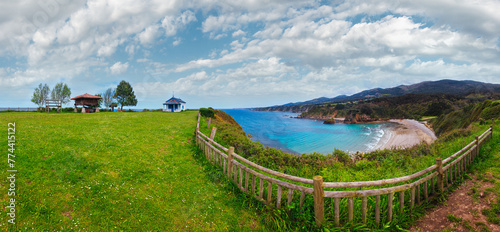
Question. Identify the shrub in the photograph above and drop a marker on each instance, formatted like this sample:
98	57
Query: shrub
342	156
207	112
491	112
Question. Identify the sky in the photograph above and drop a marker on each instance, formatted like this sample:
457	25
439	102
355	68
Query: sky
242	53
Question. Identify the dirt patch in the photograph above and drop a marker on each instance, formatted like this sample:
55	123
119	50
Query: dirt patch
67	214
254	225
462	210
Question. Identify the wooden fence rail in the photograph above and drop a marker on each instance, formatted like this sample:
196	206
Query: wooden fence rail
410	190
18	109
53	103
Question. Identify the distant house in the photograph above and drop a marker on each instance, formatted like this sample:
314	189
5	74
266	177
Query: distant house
174	105
88	102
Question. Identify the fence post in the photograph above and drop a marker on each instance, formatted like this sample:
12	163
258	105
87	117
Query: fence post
439	163
476	152
319	202
491	135
492	125
212	134
230	161
197	124
209	121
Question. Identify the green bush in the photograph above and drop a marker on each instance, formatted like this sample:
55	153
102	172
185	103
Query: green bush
207	112
491	112
342	156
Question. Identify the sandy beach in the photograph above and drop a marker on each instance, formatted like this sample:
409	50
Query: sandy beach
408	133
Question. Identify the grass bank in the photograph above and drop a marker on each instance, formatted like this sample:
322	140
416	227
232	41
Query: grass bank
487	169
115	171
339	167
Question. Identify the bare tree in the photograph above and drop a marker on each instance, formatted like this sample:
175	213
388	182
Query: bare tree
107	97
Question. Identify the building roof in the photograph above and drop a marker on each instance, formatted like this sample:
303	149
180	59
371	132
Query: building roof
88	96
174	101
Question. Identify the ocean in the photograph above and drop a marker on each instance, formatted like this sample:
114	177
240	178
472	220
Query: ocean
282	131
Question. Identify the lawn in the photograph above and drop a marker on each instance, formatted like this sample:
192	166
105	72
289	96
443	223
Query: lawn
115	171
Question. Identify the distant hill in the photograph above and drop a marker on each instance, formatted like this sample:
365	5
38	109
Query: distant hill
450	87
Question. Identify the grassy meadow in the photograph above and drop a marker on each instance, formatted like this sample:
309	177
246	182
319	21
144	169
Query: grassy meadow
116	171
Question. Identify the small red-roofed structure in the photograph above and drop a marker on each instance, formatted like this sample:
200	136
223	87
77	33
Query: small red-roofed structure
88	102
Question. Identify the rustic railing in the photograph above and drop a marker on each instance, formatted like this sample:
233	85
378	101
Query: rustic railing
412	190
53	103
19	109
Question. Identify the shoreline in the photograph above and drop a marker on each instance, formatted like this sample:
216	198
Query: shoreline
403	133
407	134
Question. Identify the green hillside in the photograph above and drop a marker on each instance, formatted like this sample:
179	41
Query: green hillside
338	166
134	171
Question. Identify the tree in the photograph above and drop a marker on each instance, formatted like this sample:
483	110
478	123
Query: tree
107	97
40	95
99	102
61	92
113	105
125	95
437	108
340	106
366	109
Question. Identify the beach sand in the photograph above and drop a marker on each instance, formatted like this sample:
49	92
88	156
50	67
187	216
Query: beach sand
407	134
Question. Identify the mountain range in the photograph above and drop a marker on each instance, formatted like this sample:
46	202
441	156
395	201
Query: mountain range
451	87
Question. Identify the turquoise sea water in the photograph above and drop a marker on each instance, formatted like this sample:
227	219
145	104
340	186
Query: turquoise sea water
280	130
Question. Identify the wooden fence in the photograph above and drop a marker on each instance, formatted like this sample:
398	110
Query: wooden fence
53	103
19	109
410	190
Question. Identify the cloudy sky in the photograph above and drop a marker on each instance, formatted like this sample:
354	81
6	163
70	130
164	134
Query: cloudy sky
243	53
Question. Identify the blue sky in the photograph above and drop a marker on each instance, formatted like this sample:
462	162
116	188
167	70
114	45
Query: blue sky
230	54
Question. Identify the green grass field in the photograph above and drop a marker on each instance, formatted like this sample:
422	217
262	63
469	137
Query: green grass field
115	171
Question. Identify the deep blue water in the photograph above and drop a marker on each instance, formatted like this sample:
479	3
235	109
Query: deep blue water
279	130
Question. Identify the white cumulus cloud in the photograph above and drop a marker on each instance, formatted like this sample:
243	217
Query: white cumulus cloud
118	68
